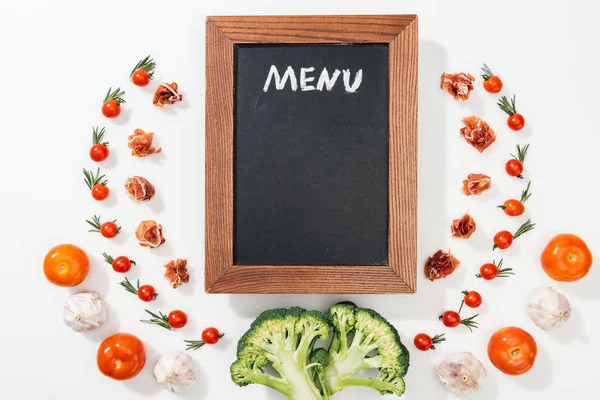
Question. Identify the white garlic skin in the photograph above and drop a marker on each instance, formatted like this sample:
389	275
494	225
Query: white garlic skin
84	312
462	374
175	372
548	308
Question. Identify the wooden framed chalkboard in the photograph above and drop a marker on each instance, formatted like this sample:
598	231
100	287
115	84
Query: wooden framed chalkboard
311	154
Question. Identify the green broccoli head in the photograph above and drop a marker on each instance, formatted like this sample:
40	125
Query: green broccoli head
363	339
283	339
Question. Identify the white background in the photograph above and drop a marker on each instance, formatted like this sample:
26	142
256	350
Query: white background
60	57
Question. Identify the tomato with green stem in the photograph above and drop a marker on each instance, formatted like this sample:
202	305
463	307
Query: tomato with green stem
175	320
452	319
504	239
112	103
107	229
425	342
143	72
145	292
491	271
514	166
120	264
99	151
472	299
513	207
491	82
97	184
209	336
515	121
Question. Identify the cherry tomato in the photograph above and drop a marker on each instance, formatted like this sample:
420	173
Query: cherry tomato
177	319
99	152
513	208
512	350
109	229
472	298
423	342
566	258
493	84
503	240
121	356
66	265
146	293
514	167
111	109
516	122
451	319
100	192
140	77
210	335
122	264
488	271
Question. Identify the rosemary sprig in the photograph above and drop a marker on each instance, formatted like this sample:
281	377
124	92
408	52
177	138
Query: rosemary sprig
196	344
521	153
108	258
95	223
487	72
470	322
91	180
147	64
161	320
508	106
133	289
116	95
437	339
98	136
526	227
525	194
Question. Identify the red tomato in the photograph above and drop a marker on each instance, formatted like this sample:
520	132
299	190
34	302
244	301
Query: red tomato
423	342
99	152
211	335
146	293
513	208
140	77
100	192
177	319
66	265
566	258
514	167
472	298
121	356
503	240
122	264
488	271
493	84
111	109
451	319
512	350
109	229
516	122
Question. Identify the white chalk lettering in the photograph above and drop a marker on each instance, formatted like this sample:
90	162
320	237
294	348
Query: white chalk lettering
306	79
325	80
281	81
357	81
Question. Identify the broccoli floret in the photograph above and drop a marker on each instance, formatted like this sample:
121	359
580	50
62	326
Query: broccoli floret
284	339
363	339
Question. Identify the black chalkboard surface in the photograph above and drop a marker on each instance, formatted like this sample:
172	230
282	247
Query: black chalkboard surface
310	157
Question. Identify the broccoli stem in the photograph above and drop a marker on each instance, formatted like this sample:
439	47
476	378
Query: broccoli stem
345	365
381	386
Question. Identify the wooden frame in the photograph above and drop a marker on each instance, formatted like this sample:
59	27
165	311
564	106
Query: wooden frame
222	34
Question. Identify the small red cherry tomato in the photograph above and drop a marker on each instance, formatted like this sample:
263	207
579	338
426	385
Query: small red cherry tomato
514	167
451	319
177	319
99	152
516	122
100	192
140	77
111	109
122	264
472	298
503	240
211	335
109	229
146	293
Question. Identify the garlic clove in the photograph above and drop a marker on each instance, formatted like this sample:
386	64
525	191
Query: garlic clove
462	374
548	308
175	372
84	311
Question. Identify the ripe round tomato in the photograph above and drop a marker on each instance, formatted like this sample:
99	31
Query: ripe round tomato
423	342
514	208
514	167
566	258
488	271
146	293
493	84
100	191
516	122
140	77
472	299
66	265
111	109
210	335
512	350
99	152
109	229
122	264
177	319
121	356
503	240
451	319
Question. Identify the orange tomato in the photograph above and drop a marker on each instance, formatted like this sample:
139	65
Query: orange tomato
566	258
121	356
512	350
66	265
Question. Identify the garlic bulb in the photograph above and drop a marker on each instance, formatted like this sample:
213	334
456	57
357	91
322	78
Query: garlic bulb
84	312
462	374
175	372
548	309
